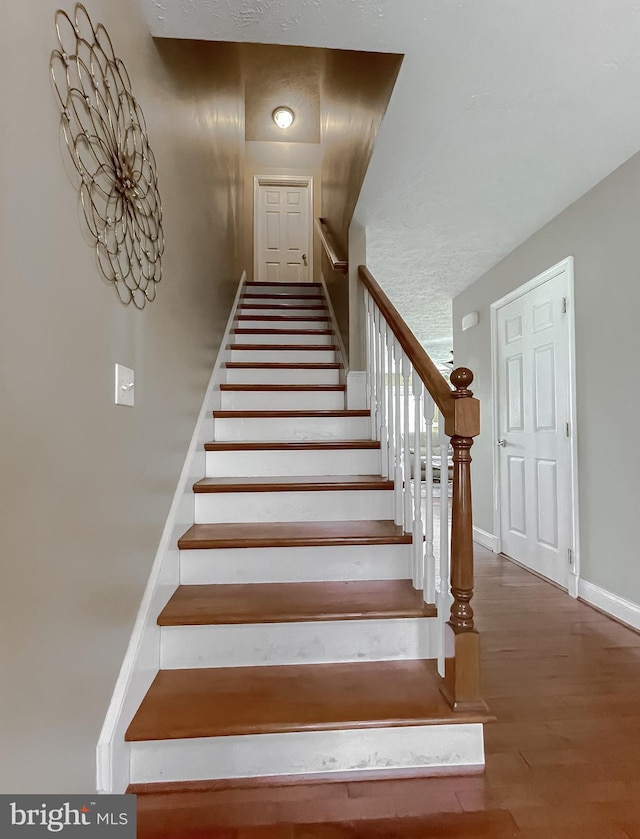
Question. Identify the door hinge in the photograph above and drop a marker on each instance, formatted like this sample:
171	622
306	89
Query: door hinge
570	556
567	429
564	305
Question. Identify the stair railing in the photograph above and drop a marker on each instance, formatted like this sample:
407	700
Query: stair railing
330	248
404	390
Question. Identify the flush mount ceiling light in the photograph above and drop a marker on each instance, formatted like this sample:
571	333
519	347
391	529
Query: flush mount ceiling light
283	117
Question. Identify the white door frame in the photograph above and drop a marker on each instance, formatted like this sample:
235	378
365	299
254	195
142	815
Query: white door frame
565	265
305	181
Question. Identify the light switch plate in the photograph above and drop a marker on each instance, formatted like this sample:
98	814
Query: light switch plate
124	385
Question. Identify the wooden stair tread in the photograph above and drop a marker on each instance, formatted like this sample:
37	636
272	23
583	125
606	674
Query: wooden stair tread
307	445
292	534
294	483
286	388
338	412
252	283
186	795
200	605
280	297
280	365
283	307
225	701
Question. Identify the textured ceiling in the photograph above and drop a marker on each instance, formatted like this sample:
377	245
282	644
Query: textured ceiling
503	114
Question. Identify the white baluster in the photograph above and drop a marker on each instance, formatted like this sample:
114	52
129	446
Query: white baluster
397	351
418	527
406	443
369	334
444	596
376	355
429	558
391	445
384	432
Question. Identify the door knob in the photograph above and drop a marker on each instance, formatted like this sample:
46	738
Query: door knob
304	258
502	443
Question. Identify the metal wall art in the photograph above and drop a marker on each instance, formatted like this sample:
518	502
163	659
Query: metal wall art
106	135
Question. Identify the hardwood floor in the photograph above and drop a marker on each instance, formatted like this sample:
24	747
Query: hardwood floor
563	757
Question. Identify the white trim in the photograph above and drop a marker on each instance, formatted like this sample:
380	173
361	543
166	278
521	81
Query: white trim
487	540
357	390
343	357
612	604
142	659
304	181
566	266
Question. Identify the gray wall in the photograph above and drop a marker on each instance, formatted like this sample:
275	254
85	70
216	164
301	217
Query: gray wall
602	232
85	486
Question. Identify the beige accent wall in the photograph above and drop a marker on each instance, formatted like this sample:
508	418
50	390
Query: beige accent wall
280	159
356	88
600	231
275	75
85	485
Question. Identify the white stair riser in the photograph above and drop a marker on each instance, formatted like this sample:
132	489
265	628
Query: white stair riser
282	338
291	428
303	310
295	290
441	748
283	376
308	564
304	642
282	400
260	323
331	505
298	301
282	356
276	462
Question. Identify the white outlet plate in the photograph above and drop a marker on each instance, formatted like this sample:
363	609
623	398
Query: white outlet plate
124	385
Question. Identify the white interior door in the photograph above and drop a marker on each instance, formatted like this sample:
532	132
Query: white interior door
534	422
282	226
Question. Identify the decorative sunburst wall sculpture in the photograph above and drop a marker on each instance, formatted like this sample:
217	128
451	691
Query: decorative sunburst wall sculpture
106	135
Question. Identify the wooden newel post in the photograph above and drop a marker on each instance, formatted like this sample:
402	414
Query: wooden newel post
461	684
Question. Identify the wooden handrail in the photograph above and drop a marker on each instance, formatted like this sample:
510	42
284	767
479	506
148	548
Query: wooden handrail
422	363
329	245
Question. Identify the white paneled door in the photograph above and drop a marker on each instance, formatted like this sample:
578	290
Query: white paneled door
532	342
282	228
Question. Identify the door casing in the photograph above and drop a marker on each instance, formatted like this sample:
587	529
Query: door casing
304	181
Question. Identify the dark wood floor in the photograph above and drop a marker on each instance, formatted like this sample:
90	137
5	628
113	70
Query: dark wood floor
563	758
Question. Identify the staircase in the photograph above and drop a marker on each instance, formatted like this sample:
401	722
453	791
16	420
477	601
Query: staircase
296	643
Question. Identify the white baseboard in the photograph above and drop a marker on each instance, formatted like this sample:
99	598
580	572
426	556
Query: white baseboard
612	604
487	540
357	390
142	659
